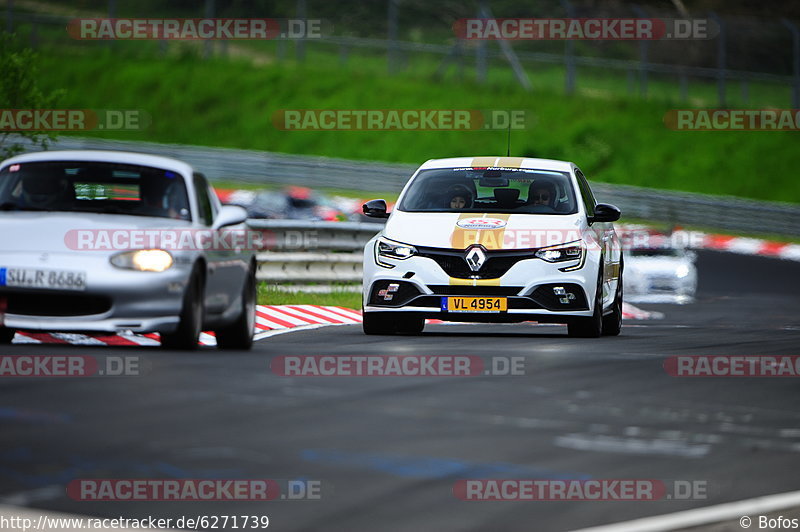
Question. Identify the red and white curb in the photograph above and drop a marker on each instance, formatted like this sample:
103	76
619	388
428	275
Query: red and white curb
270	320
751	246
716	242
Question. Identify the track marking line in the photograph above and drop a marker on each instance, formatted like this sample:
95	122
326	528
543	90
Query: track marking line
704	516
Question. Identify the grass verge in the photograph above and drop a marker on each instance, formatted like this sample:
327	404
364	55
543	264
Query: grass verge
270	295
231	102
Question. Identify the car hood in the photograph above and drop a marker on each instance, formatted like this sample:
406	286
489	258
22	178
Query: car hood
493	231
54	231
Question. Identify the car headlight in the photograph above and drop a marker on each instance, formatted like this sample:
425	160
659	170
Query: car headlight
385	248
564	252
144	260
682	271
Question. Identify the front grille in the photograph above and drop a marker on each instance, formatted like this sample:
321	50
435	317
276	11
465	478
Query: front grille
453	263
34	304
454	290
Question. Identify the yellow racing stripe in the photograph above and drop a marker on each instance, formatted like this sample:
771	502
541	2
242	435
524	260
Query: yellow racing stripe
509	162
454	281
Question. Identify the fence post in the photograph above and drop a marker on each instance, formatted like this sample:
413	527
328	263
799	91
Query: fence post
630	79
300	44
569	53
721	59
795	62
10	16
480	50
34	34
684	86
391	44
112	13
643	49
207	45
510	56
460	58
280	49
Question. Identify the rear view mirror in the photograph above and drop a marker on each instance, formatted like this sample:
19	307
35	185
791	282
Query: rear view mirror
375	209
603	212
493	178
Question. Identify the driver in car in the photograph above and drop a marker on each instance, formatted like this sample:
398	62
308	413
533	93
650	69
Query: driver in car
459	197
41	190
542	194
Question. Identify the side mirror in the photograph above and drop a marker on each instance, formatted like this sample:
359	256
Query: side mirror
375	209
603	212
230	215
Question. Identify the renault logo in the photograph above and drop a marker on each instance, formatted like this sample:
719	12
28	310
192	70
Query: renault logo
475	258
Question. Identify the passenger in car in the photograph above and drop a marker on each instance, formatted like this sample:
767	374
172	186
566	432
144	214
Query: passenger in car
542	194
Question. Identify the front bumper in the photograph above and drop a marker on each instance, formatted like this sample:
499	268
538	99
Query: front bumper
529	286
114	299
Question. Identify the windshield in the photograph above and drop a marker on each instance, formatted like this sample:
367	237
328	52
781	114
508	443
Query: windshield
94	187
497	190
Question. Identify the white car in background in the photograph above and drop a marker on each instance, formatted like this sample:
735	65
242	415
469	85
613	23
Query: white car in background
497	240
660	274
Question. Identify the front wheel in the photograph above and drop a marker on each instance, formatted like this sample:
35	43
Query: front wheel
591	327
612	323
377	323
410	324
188	332
239	334
6	335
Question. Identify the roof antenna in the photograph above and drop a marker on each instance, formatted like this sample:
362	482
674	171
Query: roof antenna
508	142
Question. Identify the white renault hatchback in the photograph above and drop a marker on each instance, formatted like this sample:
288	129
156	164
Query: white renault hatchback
494	239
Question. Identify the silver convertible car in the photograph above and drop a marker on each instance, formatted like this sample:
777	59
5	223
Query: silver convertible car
103	241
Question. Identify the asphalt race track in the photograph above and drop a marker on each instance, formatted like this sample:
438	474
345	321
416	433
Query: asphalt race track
388	450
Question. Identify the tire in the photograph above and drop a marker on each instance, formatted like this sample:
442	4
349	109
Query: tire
591	327
239	334
409	325
612	323
6	335
188	332
377	323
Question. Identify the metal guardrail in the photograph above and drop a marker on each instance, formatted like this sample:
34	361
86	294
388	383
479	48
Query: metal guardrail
312	252
724	213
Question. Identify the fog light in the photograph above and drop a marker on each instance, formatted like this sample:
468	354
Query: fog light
559	291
